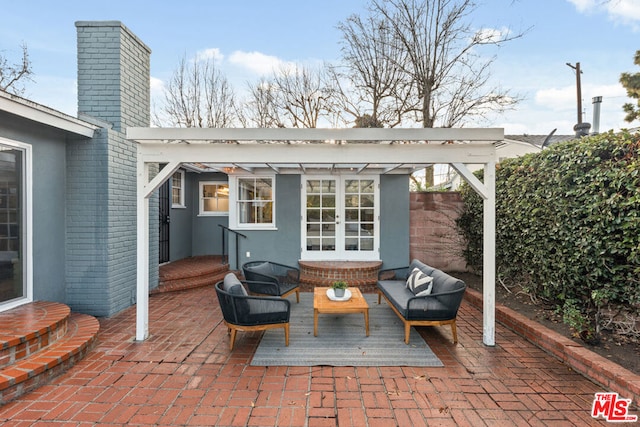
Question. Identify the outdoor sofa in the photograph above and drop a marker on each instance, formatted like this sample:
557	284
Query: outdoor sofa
421	296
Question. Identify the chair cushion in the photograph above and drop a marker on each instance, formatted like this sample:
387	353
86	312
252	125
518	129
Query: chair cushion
419	283
263	268
230	280
233	285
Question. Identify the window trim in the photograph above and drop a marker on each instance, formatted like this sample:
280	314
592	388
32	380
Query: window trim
27	232
181	204
234	212
201	211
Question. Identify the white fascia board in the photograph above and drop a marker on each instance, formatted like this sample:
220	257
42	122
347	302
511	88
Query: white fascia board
328	154
205	135
47	116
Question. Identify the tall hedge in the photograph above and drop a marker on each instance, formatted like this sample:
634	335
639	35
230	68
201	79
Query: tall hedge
567	225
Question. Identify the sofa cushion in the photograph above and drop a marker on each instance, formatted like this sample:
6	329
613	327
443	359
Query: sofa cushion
419	283
442	282
421	265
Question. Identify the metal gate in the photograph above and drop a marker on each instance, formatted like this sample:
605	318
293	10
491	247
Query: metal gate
164	210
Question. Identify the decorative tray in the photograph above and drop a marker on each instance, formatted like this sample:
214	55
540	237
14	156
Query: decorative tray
332	295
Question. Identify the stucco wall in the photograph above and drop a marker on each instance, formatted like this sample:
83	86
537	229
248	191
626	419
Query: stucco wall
48	177
434	239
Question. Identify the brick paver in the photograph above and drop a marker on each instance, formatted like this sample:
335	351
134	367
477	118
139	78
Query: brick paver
184	374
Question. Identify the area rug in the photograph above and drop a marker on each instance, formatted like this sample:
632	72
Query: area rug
341	340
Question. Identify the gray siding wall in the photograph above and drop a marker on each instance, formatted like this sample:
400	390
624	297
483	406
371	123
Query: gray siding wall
394	220
206	235
281	245
48	174
191	234
113	86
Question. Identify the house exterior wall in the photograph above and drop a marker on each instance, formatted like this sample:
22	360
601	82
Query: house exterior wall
206	235
394	220
284	244
281	245
48	178
181	222
113	86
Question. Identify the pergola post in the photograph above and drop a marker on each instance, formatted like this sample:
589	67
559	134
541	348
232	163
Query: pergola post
488	256
142	279
145	189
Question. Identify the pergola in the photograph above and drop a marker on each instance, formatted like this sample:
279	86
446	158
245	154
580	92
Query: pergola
379	151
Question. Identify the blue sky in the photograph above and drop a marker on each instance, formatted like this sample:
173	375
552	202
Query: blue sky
250	37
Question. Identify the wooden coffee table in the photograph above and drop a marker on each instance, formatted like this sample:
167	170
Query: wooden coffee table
323	305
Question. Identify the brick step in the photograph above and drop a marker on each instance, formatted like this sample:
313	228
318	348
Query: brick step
307	283
40	367
27	329
190	282
191	267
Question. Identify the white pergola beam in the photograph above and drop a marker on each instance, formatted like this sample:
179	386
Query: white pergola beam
329	154
205	135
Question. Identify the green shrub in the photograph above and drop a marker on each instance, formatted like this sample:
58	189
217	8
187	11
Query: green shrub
567	224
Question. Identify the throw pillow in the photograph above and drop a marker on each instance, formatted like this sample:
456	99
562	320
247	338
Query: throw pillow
419	283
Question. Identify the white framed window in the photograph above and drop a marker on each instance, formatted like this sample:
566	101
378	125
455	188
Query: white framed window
214	198
177	190
16	224
253	205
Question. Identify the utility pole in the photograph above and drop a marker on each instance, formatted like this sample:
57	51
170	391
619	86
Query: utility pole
579	89
581	129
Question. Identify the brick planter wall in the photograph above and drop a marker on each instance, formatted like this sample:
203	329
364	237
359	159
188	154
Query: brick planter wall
434	239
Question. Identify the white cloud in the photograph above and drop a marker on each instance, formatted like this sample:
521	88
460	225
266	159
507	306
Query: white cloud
584	5
211	53
624	11
493	35
557	99
257	62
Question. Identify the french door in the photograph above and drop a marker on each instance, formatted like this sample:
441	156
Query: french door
340	218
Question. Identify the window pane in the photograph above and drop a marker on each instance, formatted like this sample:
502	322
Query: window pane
366	244
214	197
351	186
313	244
313	215
313	186
328	244
366	186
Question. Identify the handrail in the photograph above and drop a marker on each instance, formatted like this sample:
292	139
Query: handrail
224	246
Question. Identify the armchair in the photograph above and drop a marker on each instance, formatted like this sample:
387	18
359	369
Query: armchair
271	278
243	312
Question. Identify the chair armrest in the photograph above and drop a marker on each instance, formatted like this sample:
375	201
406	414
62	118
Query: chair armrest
398	273
448	296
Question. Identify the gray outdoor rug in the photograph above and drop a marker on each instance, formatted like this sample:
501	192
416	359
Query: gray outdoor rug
341	340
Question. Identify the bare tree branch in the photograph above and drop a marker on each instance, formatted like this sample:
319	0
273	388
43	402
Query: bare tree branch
13	76
198	95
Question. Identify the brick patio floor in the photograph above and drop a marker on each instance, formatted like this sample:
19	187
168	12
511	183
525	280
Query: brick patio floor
184	374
